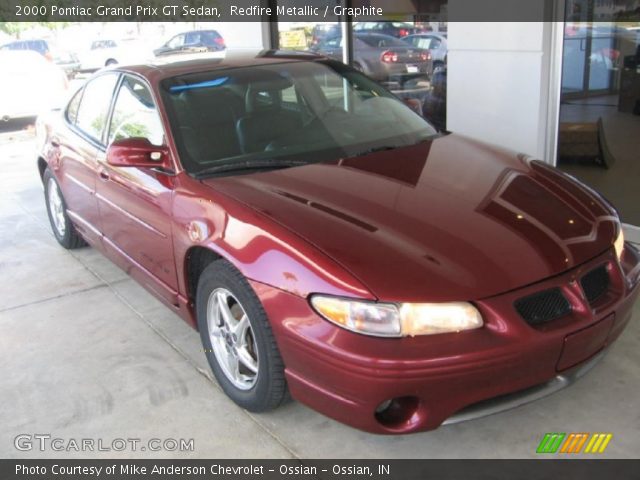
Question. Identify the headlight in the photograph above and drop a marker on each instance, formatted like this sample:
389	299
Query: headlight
391	320
619	244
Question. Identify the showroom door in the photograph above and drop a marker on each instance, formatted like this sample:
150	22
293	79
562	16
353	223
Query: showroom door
135	203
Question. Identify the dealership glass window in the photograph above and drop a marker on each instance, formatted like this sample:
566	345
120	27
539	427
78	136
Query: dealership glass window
135	114
407	56
600	104
94	106
306	36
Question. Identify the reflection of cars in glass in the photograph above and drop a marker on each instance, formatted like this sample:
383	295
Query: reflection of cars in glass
395	29
382	57
326	241
324	30
436	43
66	60
29	84
434	107
40	46
192	42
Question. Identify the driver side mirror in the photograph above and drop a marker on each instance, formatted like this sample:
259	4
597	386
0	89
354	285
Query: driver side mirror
137	152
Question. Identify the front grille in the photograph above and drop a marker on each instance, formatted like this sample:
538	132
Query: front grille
543	307
595	283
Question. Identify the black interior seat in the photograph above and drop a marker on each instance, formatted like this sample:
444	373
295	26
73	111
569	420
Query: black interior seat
266	120
207	119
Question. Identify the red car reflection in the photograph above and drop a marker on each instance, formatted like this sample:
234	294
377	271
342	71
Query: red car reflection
327	242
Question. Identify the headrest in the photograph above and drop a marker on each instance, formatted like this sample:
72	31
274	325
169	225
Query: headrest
265	81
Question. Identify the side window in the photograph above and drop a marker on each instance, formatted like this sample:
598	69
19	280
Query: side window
72	107
176	41
192	38
135	114
334	42
94	106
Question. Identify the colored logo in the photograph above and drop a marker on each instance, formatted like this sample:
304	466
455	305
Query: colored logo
574	443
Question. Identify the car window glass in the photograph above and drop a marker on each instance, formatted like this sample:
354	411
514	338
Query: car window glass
94	106
381	41
192	38
176	41
135	114
306	111
421	42
334	42
72	107
209	37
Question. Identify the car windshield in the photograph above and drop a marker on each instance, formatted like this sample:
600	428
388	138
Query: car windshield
284	114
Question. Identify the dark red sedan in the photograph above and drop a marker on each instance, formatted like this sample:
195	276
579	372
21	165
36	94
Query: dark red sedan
327	242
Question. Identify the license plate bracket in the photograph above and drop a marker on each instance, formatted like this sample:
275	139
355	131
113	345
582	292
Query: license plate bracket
584	344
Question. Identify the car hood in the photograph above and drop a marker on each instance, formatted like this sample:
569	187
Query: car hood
449	219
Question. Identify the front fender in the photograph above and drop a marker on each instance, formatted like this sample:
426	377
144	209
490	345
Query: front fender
263	250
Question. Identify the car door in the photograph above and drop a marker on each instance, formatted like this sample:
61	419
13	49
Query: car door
77	146
135	203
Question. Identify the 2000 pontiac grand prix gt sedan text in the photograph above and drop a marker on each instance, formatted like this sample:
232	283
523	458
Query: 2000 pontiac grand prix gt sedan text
327	242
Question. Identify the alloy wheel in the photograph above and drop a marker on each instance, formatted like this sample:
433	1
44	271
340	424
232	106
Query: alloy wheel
232	339
56	207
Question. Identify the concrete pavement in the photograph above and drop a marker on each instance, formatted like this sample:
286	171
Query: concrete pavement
85	352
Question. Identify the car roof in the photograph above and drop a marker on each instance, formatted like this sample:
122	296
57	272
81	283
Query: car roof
180	64
197	31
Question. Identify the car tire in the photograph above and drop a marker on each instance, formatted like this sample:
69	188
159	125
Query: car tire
237	340
61	225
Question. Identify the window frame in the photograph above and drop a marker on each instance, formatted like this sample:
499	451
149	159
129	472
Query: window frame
98	143
116	93
78	95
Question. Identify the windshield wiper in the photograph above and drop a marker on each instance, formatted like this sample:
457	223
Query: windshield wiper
383	148
375	149
248	165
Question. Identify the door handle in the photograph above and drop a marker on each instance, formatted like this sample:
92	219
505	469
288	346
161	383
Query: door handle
104	175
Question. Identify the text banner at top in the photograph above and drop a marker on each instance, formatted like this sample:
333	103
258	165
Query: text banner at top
307	11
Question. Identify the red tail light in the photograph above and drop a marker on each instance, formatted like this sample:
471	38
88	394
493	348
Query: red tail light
389	57
220	41
403	32
425	56
48	56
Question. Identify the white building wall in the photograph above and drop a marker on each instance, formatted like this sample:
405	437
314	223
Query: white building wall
500	86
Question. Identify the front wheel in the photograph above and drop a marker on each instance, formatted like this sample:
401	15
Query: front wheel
64	231
237	339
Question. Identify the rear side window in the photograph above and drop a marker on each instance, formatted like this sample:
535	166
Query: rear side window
94	107
135	114
381	41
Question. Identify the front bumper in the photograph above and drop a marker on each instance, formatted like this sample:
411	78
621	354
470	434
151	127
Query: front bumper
440	378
